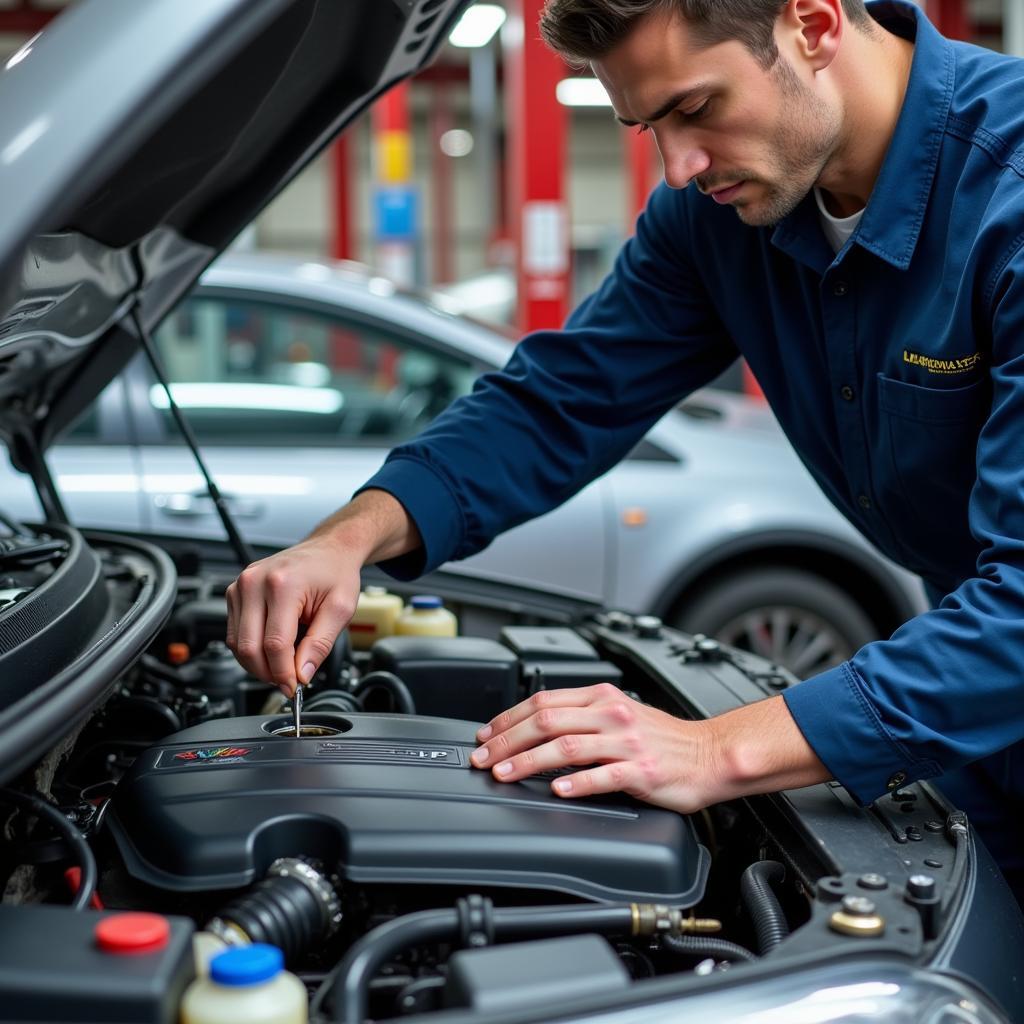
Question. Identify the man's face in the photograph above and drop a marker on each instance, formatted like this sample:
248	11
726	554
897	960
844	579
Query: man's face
752	137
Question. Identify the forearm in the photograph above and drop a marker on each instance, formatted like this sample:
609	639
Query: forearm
760	749
374	525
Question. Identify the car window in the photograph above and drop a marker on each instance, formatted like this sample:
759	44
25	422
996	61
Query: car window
250	372
84	430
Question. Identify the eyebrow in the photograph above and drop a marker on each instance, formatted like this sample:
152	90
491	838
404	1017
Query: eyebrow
666	108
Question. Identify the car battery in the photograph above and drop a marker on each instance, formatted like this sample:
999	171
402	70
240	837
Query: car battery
547	643
57	964
558	675
474	677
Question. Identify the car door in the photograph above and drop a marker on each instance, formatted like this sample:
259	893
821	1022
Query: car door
296	406
96	468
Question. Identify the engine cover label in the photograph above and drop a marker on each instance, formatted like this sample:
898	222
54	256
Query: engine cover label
391	753
205	755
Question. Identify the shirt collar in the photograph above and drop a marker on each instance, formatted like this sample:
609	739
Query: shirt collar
896	207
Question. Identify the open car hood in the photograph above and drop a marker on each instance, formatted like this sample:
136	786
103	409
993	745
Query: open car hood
136	141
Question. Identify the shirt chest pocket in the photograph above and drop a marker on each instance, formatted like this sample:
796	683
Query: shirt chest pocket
928	439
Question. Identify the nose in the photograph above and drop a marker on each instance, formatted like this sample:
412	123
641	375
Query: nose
681	159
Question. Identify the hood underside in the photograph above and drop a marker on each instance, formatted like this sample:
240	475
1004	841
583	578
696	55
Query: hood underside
137	140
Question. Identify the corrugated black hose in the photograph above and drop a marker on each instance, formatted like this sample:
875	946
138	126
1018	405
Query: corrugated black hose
706	945
69	832
763	905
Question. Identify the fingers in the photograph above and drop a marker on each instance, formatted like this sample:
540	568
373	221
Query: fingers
570	749
546	724
283	608
328	622
250	613
578	697
618	777
231	633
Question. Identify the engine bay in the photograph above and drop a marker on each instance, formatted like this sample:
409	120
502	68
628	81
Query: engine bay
367	849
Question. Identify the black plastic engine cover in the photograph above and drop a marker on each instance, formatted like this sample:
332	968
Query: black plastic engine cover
392	799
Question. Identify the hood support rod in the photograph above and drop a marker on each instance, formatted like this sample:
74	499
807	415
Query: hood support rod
26	453
241	548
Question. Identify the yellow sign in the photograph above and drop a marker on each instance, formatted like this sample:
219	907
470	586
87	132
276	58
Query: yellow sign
394	158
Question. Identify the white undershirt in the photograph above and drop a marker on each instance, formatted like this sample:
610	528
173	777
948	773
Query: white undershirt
837	229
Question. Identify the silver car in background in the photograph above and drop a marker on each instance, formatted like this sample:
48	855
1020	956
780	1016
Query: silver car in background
299	376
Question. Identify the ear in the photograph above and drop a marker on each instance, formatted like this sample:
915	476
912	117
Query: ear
813	29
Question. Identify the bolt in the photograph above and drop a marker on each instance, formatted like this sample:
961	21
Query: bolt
830	889
872	880
921	886
859	906
914	834
648	627
933	826
931	862
707	649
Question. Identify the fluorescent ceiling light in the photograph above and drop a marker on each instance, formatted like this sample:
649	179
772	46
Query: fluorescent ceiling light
229	395
477	26
582	92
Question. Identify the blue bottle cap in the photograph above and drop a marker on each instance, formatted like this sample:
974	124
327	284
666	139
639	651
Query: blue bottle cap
247	965
426	601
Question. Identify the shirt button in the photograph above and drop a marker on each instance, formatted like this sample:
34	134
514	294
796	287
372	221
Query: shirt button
839	288
864	501
847	392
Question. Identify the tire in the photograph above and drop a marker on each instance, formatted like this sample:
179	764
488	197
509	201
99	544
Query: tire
794	618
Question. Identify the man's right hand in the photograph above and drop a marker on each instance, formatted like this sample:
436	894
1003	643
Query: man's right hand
316	584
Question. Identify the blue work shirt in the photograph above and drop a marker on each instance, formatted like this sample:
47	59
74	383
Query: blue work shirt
896	369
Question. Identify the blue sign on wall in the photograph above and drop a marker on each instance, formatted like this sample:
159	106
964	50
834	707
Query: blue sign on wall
396	210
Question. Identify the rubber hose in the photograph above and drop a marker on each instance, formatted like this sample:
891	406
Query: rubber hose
523	922
389	681
706	945
763	905
71	834
281	911
333	700
375	948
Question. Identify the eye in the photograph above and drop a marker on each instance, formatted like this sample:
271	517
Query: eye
700	112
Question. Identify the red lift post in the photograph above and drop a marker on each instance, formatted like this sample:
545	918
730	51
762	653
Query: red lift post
536	151
24	18
951	17
341	242
641	173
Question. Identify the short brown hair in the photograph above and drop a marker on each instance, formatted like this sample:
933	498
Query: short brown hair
585	30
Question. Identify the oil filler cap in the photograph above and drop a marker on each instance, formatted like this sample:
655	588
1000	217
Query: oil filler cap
247	965
132	933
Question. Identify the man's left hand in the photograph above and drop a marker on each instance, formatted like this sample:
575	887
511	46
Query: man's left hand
639	750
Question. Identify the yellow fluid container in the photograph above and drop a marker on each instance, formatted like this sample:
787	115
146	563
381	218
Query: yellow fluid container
375	616
246	984
425	615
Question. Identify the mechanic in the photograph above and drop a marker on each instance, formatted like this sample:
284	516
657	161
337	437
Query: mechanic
856	232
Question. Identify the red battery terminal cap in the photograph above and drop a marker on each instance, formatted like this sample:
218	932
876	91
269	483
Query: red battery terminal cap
132	933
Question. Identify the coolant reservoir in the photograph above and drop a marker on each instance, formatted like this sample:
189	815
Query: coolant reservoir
205	946
426	616
375	617
247	984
